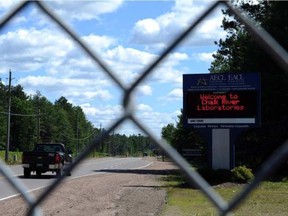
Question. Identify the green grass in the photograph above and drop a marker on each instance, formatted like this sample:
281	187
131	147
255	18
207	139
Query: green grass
18	155
12	155
270	198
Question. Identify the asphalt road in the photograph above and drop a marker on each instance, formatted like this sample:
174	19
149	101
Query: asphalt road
86	168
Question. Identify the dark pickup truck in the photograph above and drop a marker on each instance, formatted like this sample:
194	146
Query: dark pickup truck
46	157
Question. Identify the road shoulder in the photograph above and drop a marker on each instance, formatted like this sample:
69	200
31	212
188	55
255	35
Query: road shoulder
126	192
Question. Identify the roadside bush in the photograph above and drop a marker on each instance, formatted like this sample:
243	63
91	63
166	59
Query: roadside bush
14	157
242	174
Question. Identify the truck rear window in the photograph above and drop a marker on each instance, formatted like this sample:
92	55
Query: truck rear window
48	148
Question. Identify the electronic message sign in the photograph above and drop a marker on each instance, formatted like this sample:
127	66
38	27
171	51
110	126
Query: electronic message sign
228	100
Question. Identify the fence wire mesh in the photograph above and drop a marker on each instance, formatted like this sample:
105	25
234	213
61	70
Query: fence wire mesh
265	40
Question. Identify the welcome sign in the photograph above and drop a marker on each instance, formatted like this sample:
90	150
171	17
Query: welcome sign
228	100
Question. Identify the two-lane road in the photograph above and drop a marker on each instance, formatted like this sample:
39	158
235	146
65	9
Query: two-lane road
86	168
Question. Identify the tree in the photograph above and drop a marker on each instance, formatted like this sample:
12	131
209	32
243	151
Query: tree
3	115
81	128
36	119
167	133
23	125
239	52
183	138
63	103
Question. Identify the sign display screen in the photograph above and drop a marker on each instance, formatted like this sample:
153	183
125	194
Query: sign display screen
221	100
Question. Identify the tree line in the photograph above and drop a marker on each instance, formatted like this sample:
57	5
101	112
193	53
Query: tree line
239	53
34	119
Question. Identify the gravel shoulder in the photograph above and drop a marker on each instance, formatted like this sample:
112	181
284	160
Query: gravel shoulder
117	192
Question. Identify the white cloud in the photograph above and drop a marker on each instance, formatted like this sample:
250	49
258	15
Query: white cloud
103	95
155	121
102	115
167	71
52	52
205	57
179	56
144	90
84	10
80	89
4	5
89	109
168	75
175	94
129	55
28	47
144	107
127	62
166	26
99	43
57	67
176	113
48	81
148	27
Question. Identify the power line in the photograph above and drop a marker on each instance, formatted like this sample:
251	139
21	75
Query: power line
87	137
24	115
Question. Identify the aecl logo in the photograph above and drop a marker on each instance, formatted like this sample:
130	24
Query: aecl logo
222	77
236	77
217	77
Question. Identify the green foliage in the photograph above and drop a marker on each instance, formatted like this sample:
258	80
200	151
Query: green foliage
22	127
240	52
14	157
269	199
242	174
167	133
183	138
34	119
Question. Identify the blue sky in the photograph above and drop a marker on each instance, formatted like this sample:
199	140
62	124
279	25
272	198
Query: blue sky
128	35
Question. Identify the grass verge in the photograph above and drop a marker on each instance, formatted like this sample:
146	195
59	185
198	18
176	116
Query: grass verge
14	157
270	198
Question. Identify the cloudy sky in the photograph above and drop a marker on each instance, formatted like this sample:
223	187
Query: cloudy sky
128	35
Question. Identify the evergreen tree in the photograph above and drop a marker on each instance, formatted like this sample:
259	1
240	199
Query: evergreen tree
240	52
3	115
183	138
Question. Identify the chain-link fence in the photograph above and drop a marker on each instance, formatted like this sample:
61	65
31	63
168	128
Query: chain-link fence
265	40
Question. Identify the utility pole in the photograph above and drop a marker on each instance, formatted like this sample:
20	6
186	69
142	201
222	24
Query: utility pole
77	133
8	119
101	144
38	124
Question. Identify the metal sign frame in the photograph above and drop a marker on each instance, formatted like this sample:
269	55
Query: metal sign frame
222	100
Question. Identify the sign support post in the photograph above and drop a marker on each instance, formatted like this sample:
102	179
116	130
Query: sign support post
221	149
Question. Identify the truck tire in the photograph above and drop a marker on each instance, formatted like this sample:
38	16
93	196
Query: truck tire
27	173
59	172
65	170
38	173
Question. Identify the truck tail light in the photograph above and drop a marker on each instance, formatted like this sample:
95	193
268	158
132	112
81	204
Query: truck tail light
57	158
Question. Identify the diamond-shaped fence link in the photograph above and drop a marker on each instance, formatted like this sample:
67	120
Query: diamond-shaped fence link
265	40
